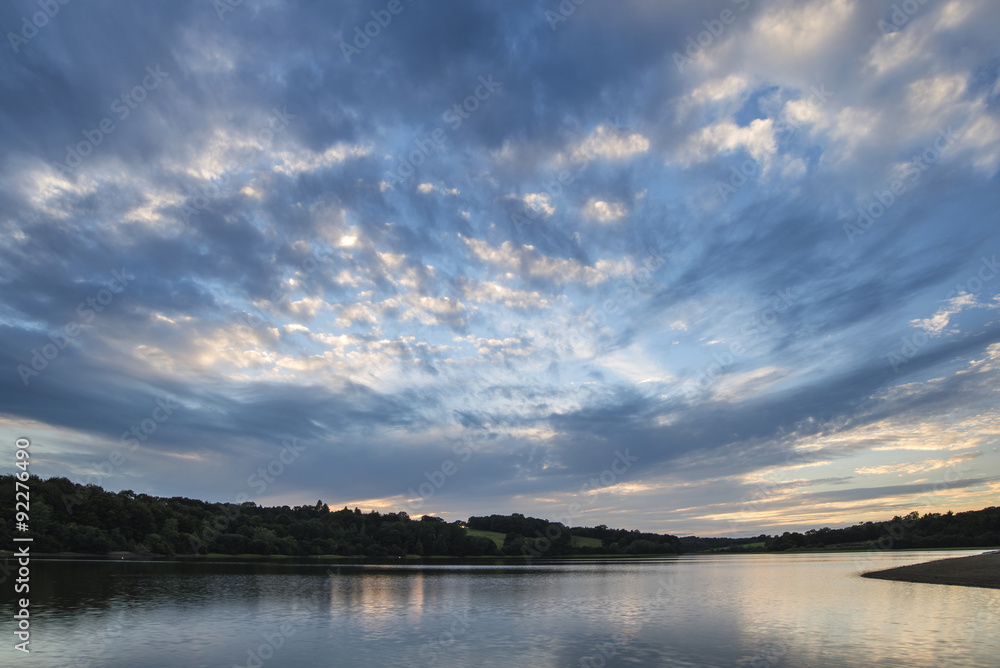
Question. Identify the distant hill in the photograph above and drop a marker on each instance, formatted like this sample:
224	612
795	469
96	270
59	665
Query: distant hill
972	528
534	536
717	544
69	517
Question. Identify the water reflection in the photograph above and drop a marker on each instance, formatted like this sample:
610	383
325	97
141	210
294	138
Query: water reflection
737	610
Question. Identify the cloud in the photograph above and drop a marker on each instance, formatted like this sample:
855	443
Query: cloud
295	163
427	188
937	323
604	142
800	31
719	89
540	203
318	253
918	467
525	261
491	292
757	139
605	212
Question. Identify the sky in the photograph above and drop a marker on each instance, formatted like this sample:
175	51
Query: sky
703	267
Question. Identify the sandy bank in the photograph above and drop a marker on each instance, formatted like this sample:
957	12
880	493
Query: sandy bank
981	570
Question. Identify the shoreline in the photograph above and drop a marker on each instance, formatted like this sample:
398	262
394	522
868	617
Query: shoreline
310	559
980	570
211	556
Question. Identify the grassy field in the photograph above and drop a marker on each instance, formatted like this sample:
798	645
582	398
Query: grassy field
758	545
497	537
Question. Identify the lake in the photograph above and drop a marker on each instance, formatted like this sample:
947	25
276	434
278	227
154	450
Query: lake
807	609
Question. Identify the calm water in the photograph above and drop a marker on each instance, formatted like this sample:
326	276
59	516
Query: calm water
734	610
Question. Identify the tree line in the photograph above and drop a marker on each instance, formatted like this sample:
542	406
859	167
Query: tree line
69	517
972	528
533	536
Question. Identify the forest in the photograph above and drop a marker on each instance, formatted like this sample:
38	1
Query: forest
531	535
69	517
972	528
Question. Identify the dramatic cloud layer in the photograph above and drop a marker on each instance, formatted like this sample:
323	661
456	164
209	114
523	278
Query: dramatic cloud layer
696	267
